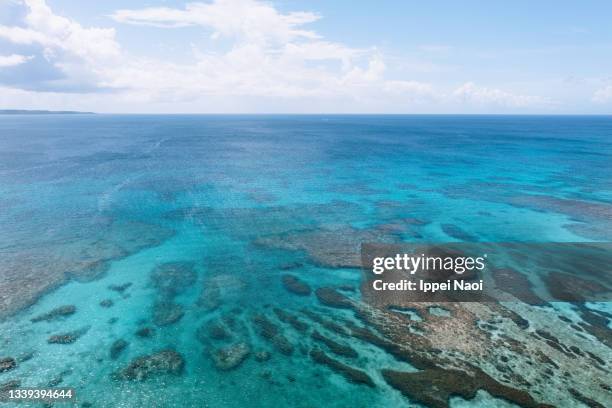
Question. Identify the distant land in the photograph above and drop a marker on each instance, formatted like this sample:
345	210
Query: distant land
38	112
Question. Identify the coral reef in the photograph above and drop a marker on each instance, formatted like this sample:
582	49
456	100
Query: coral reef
57	313
351	374
295	285
230	357
7	363
162	362
167	313
272	333
335	347
68	337
117	348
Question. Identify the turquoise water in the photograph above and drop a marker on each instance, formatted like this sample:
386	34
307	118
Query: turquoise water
89	201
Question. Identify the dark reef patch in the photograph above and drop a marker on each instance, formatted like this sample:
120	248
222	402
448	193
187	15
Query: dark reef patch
332	298
145	332
160	363
456	232
295	285
57	313
230	357
291	319
335	347
210	296
9	385
435	386
167	313
326	323
68	337
263	355
7	364
517	284
106	303
173	278
596	324
272	333
117	348
589	402
570	288
353	375
216	330
119	288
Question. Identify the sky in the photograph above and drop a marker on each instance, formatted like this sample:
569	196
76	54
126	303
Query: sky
315	56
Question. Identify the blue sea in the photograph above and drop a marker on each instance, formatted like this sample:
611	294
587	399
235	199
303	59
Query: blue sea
174	232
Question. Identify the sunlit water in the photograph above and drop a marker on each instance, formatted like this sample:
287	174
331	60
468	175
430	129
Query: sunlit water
210	186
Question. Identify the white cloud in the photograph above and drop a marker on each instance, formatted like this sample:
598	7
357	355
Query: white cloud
262	54
57	33
472	93
76	56
250	20
13	60
414	87
271	54
603	95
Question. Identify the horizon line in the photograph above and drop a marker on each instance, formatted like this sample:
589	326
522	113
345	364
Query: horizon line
75	112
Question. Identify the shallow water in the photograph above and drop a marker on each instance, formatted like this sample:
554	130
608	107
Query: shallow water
90	201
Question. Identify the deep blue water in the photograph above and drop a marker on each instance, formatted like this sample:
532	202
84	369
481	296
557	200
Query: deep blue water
114	196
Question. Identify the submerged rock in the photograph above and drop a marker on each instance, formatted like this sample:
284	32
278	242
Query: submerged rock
282	344
57	313
167	313
120	288
145	332
517	284
352	374
589	402
107	303
173	278
290	265
570	288
295	285
210	297
230	357
266	328
217	331
162	362
271	332
117	348
56	381
286	317
332	298
9	385
68	337
263	355
28	355
458	233
434	387
328	324
333	346
7	363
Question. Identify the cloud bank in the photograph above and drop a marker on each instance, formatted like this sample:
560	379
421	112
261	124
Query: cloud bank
259	59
